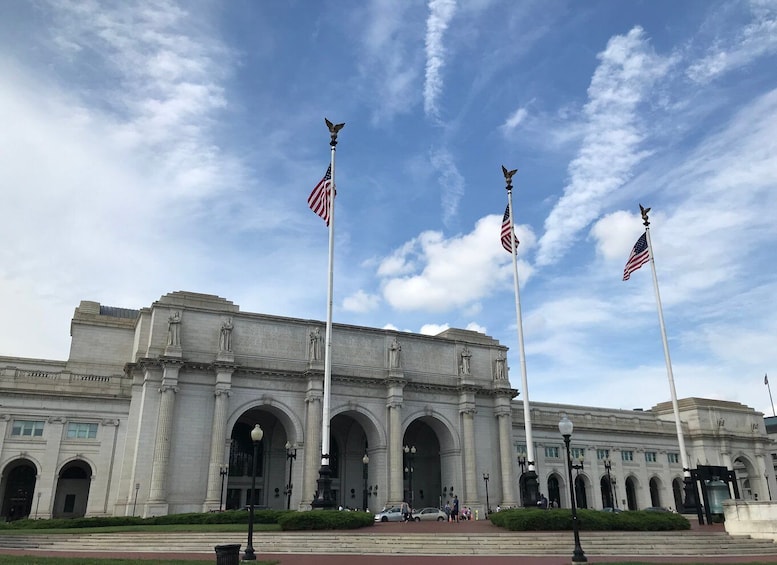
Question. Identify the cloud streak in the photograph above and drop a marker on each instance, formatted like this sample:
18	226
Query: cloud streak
440	14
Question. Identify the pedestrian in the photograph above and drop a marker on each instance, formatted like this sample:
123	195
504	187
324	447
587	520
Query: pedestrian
448	509
455	509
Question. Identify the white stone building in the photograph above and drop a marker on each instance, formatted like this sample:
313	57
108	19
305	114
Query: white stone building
153	406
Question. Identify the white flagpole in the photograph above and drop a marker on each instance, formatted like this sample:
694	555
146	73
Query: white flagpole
670	376
532	493
324	493
766	382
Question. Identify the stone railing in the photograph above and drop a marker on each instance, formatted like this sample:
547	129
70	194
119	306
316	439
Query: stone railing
757	519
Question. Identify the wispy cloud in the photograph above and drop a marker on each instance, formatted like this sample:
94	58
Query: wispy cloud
612	145
440	14
514	120
451	182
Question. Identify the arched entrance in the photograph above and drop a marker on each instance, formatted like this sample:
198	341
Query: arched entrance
422	476
631	494
677	491
655	492
72	492
606	488
581	498
19	479
554	491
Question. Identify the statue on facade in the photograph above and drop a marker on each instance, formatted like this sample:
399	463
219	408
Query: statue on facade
499	368
394	351
174	330
315	344
225	337
465	357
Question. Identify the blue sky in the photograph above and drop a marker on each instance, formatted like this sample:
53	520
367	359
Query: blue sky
153	147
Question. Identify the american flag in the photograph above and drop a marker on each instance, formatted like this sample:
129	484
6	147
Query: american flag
639	256
506	231
319	200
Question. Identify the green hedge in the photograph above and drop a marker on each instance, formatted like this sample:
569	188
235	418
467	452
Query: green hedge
326	520
530	519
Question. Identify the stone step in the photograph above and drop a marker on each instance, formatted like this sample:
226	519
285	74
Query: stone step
503	543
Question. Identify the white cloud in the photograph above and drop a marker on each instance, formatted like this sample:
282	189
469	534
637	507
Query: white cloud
433	329
361	302
611	147
455	272
440	14
475	327
514	120
451	182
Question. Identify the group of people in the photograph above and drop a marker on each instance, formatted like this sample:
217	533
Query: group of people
456	514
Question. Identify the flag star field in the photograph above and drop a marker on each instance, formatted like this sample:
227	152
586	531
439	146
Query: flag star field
149	147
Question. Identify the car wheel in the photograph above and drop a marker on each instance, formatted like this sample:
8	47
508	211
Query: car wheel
440	519
384	519
417	519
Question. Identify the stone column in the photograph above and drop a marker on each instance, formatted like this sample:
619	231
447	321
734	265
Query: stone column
49	464
505	424
470	497
219	437
157	498
396	471
312	446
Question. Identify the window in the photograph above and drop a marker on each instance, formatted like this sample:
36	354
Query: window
627	456
81	430
650	456
27	428
673	457
551	452
602	454
577	452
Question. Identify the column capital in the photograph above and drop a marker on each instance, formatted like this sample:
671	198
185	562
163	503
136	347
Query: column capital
166	388
222	391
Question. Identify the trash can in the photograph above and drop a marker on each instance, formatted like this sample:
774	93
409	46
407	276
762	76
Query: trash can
228	554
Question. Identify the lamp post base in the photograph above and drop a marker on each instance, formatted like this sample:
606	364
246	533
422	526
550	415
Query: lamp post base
532	489
323	500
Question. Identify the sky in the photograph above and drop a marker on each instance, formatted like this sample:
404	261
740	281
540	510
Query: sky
149	147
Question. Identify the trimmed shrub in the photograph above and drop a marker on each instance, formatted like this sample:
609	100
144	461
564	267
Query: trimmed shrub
325	520
530	519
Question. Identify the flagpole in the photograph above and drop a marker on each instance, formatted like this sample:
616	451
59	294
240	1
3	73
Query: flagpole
768	386
532	494
324	496
689	487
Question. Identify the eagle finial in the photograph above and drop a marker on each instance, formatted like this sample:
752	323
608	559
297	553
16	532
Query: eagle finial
644	212
508	176
333	130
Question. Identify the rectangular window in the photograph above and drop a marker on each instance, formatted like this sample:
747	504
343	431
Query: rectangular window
627	456
551	452
27	428
602	454
70	504
577	453
650	456
673	457
81	430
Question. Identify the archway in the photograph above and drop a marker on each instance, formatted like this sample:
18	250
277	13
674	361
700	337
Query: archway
19	486
677	492
554	491
72	492
422	470
581	497
606	488
747	478
631	494
655	492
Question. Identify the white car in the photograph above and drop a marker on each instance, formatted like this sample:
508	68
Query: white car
430	513
389	515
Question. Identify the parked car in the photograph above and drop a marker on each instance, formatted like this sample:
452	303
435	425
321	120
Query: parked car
393	514
610	509
656	509
430	513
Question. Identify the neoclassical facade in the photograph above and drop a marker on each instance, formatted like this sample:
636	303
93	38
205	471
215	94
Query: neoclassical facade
151	414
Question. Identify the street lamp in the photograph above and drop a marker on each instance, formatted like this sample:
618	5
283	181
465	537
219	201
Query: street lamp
291	455
565	426
488	505
608	467
522	461
256	436
135	503
365	462
223	470
410	454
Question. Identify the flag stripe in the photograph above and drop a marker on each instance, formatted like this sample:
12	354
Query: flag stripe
639	256
506	232
319	200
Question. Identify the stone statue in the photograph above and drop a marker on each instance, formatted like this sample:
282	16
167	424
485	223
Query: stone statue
499	369
315	344
465	357
394	351
174	330
225	337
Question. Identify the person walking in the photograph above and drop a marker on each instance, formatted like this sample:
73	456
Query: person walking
455	509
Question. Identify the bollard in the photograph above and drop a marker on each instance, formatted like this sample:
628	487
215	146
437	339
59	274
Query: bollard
476	514
228	554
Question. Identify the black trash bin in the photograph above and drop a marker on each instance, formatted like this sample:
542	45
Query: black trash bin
228	554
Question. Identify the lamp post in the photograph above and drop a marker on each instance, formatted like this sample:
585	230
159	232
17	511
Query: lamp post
291	455
223	470
365	462
410	454
135	503
608	467
565	426
522	461
488	505
256	436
